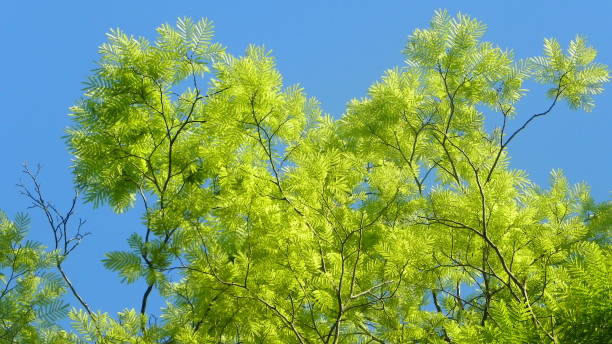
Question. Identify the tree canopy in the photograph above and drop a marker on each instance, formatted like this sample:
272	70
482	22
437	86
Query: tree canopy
268	221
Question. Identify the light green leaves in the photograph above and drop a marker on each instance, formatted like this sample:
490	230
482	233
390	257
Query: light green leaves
135	111
30	295
127	264
448	40
583	293
52	311
574	75
197	36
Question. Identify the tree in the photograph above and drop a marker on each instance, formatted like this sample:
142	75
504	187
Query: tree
267	221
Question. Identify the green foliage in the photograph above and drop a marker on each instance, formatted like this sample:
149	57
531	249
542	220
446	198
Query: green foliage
128	264
577	76
583	295
401	222
30	295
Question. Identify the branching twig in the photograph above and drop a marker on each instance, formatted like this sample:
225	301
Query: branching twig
65	241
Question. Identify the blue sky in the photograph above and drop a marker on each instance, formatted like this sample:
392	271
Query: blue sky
334	49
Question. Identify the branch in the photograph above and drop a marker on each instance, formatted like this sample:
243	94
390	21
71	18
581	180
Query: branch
560	90
59	224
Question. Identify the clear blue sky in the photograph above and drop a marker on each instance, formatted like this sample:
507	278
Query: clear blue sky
334	49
